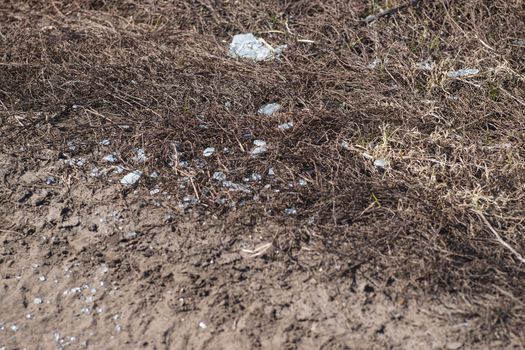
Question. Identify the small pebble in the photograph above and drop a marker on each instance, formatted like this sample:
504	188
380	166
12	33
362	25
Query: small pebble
110	158
94	172
189	201
269	109
261	148
219	176
286	126
256	177
131	178
290	211
131	235
140	155
51	180
381	163
154	191
208	152
425	66
118	170
454	345
38	301
374	63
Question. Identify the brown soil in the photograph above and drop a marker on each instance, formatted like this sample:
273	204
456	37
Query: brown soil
424	253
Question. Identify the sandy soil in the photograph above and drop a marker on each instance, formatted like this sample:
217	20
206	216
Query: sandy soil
85	265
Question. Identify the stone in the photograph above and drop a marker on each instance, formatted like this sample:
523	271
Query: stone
247	46
131	178
208	152
269	109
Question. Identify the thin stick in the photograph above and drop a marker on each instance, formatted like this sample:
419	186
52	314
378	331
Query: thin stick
500	240
391	11
56	9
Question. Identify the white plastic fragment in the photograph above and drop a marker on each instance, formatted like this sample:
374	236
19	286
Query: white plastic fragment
154	191
286	126
131	178
462	73
345	145
202	325
381	163
208	151
38	301
105	142
269	109
249	47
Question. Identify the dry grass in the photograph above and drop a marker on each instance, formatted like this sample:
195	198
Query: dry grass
157	75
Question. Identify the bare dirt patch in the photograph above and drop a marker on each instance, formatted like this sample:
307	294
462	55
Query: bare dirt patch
388	213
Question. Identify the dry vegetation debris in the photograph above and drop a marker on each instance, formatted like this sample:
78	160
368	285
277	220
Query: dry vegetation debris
419	173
